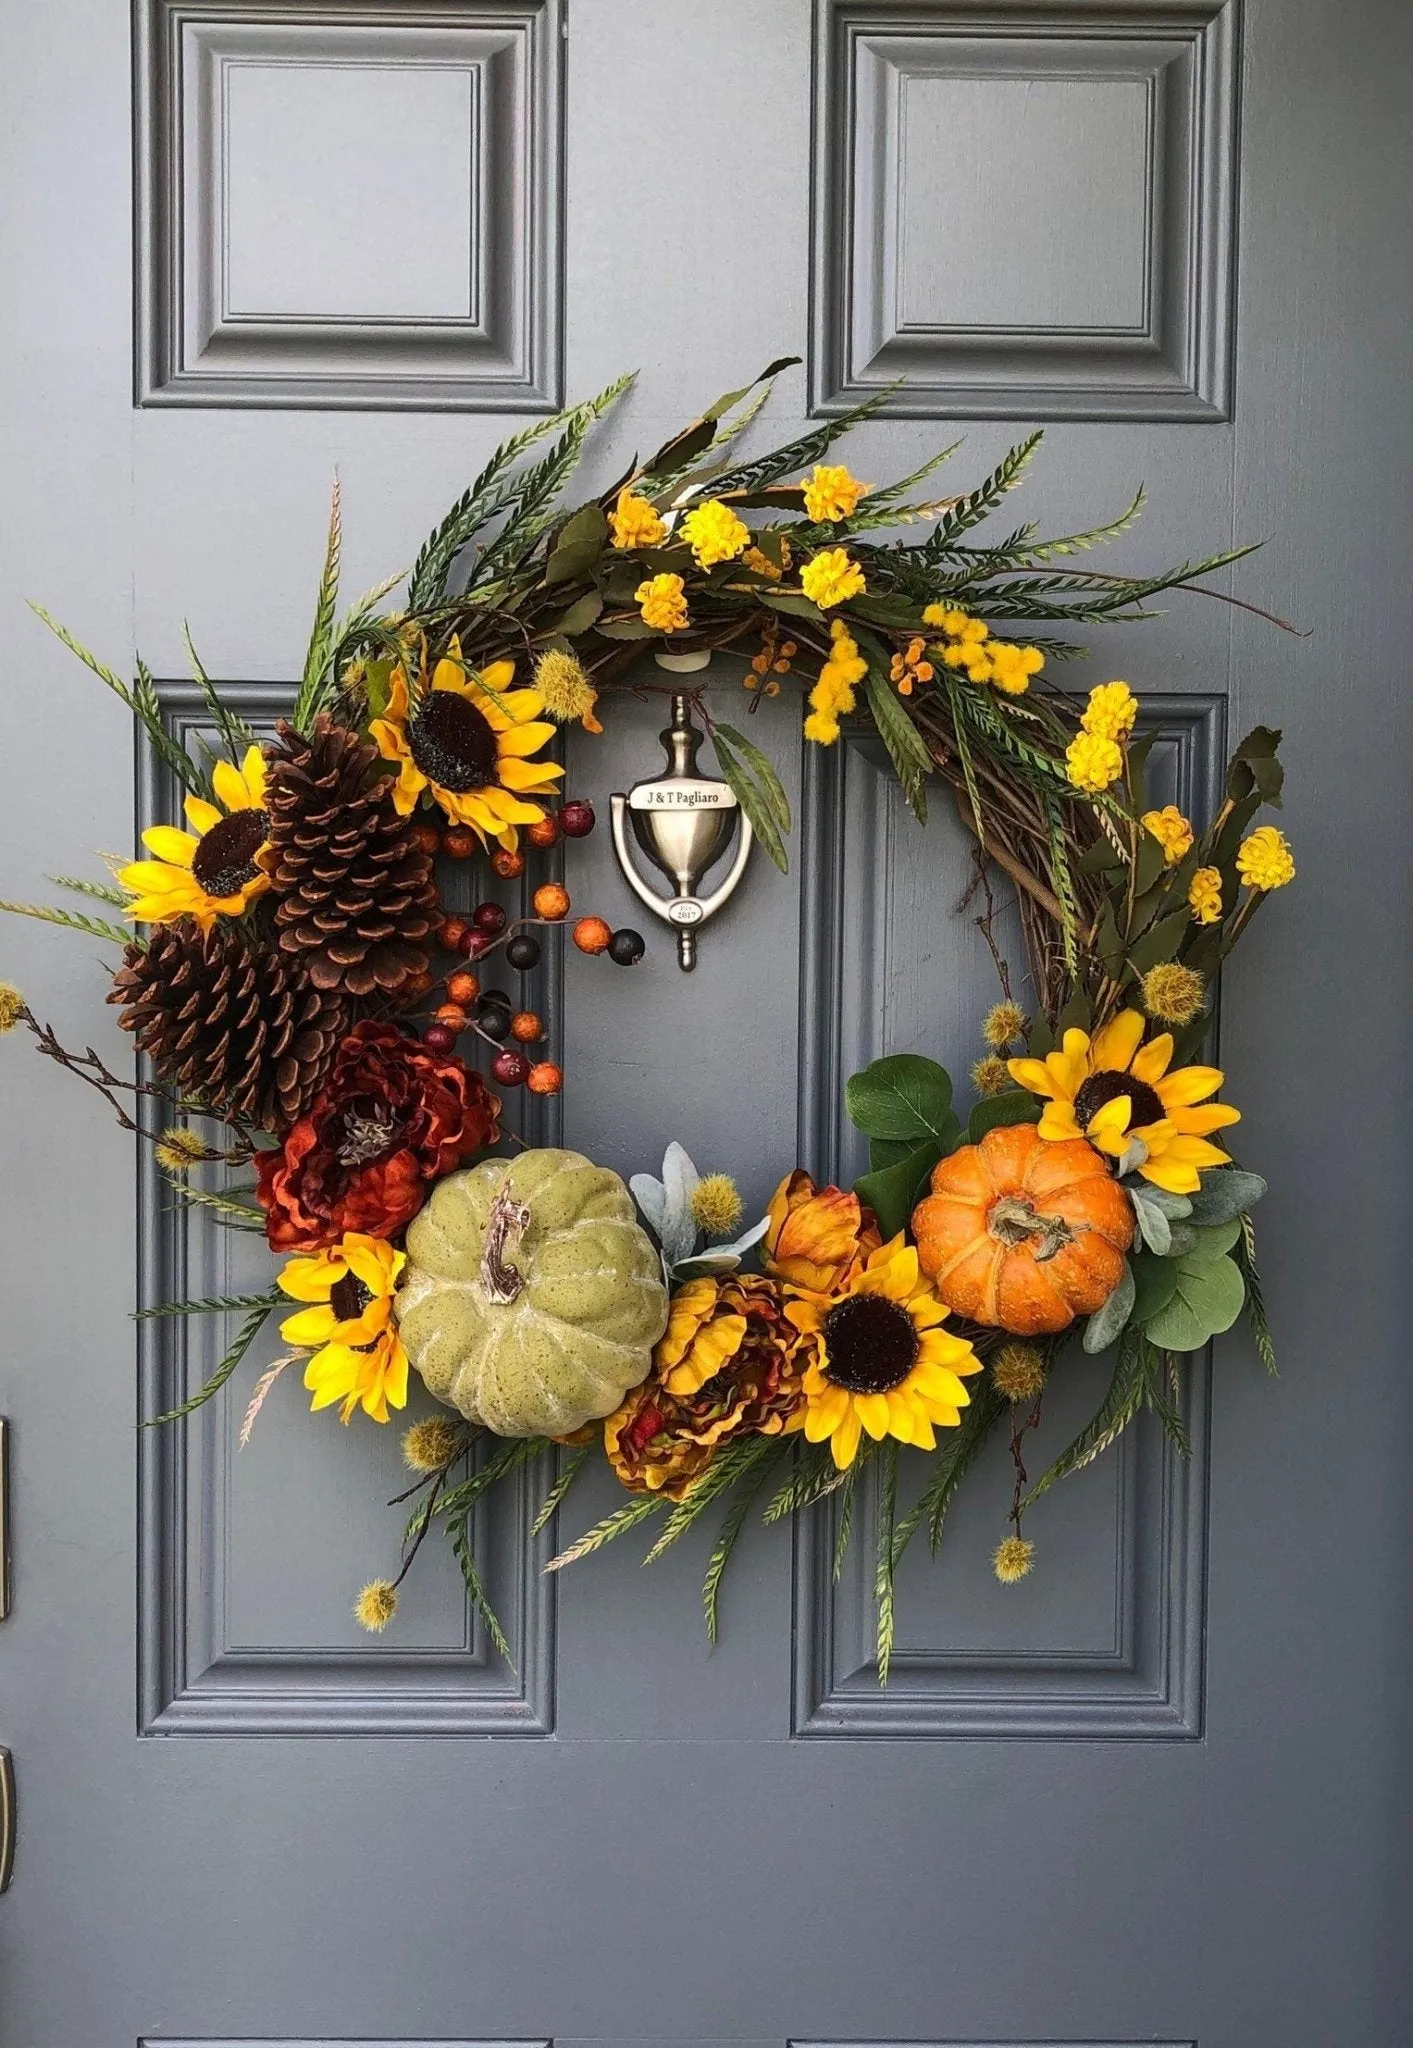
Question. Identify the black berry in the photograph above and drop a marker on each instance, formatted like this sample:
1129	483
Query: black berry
626	948
523	952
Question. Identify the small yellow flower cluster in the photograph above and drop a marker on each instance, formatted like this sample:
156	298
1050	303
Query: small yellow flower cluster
1172	832
715	533
1003	1024
991	1076
1093	761
773	660
1013	1559
833	695
1018	1371
908	668
760	564
716	1205
832	577
1204	896
1264	859
1172	993
1111	711
663	603
635	522
831	493
376	1605
970	646
565	689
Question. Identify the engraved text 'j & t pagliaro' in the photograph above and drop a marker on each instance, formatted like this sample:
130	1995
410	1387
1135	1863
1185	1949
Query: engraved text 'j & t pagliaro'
683	822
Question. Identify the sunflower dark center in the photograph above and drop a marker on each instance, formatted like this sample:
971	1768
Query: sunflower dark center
870	1344
224	860
1145	1103
349	1297
453	743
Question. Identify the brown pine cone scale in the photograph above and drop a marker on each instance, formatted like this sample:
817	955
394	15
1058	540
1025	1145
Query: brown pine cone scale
241	1032
356	899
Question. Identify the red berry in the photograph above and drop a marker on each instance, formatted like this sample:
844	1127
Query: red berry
576	818
439	1038
428	838
510	1068
475	945
544	832
460	842
507	865
490	919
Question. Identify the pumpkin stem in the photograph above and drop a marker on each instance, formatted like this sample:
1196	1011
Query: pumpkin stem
1015	1221
500	1281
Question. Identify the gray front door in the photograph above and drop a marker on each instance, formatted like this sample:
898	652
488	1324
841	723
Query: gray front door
1157	1793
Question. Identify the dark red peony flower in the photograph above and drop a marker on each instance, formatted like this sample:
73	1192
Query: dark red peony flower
392	1119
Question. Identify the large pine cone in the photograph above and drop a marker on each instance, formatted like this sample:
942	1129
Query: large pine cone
241	1032
356	896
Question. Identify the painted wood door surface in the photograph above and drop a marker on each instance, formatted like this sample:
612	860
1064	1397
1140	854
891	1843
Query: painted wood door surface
1158	1792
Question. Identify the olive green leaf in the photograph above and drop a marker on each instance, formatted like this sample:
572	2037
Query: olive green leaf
993	1111
893	1192
902	1096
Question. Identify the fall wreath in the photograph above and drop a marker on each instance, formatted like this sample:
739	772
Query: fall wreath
328	1064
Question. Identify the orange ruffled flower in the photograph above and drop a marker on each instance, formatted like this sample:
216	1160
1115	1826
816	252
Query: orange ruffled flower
729	1365
818	1237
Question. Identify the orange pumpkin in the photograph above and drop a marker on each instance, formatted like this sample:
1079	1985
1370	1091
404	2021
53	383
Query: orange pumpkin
1022	1233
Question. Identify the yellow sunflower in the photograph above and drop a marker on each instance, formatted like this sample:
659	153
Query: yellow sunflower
468	739
1112	1089
214	870
358	1355
884	1364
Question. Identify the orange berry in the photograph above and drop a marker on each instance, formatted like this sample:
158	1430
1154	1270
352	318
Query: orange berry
463	988
526	1026
551	900
591	935
544	1079
544	832
460	842
428	838
453	1016
451	931
416	985
507	865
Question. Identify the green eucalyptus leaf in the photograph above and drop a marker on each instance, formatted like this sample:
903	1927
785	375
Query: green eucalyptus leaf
994	1111
902	1096
1107	1323
1226	1192
1206	1300
1155	1282
1215	1240
893	1193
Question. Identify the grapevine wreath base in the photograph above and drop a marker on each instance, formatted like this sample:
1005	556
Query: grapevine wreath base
333	1063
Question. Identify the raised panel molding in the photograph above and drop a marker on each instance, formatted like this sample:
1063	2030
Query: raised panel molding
1141	1673
348	203
1146	2042
1106	208
193	1680
288	2041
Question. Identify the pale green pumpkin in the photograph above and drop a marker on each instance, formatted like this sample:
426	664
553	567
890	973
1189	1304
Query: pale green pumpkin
532	1297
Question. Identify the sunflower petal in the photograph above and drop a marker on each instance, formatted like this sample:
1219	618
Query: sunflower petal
200	815
1115	1045
1151	1061
1189	1085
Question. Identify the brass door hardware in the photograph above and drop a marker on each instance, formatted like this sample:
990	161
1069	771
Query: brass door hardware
4	1517
7	1819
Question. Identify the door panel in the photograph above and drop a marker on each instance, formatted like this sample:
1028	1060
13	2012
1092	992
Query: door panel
373	236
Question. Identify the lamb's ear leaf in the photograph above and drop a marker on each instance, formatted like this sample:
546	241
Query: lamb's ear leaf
1226	1191
1107	1323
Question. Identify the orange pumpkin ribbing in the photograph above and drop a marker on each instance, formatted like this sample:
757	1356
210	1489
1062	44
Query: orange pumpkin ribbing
1022	1233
